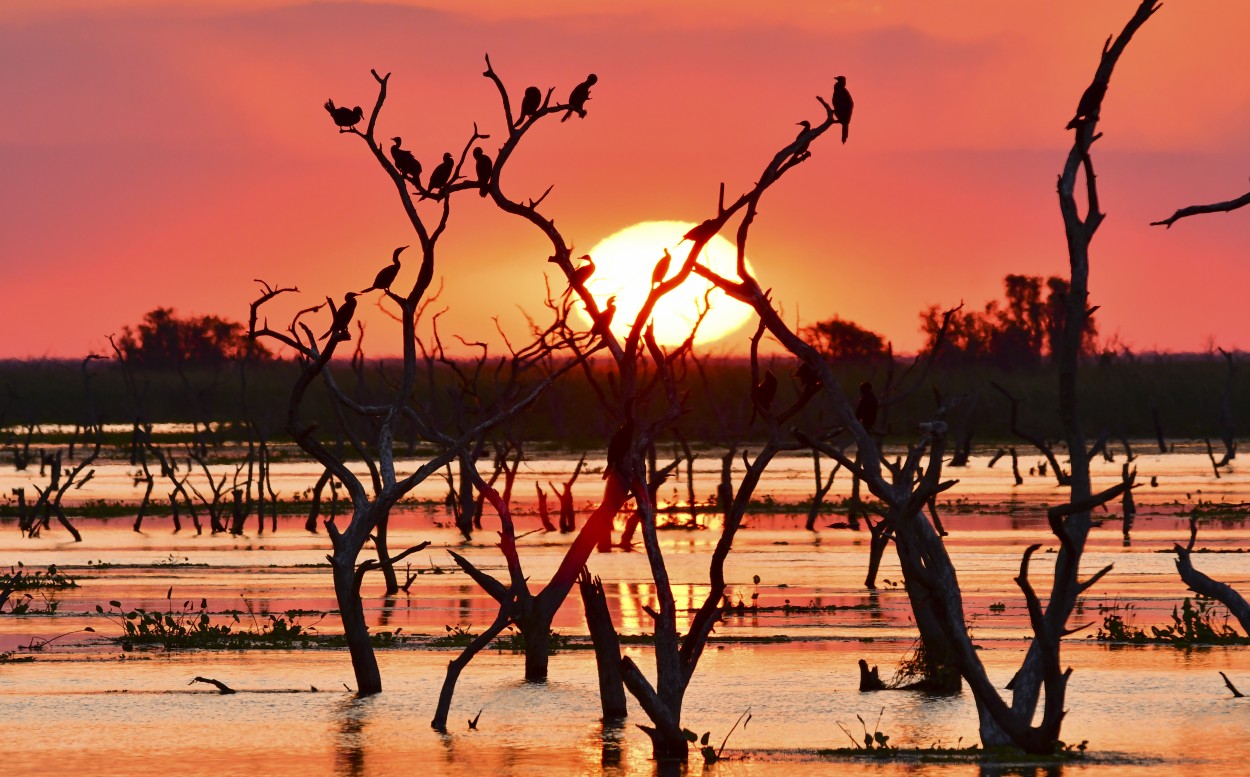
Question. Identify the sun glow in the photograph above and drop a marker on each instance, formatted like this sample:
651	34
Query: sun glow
624	263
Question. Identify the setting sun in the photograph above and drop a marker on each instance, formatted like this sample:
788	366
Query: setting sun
624	263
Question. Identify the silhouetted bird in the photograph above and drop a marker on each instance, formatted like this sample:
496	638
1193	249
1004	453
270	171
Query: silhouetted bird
808	377
405	162
1087	108
530	103
607	314
484	168
442	174
386	276
701	231
583	273
763	394
843	105
346	118
802	149
866	410
661	268
342	315
473	722
579	96
618	447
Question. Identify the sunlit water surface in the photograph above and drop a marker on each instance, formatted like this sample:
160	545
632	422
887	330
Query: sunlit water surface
84	706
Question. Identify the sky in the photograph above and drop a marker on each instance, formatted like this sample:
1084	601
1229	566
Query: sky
168	154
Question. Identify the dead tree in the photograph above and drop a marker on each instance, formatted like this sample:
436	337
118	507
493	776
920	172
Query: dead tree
1228	432
1041	670
677	657
373	497
1043	447
1203	585
1127	503
607	645
929	575
544	513
963	444
530	612
50	496
822	487
642	400
215	487
143	449
564	494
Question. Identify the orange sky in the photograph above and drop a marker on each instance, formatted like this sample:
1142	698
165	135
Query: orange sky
155	155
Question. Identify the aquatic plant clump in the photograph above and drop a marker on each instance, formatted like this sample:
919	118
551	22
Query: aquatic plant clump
192	627
21	579
1194	622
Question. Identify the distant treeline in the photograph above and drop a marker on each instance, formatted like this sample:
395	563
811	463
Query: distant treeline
1122	395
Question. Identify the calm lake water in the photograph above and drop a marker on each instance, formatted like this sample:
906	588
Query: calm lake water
85	706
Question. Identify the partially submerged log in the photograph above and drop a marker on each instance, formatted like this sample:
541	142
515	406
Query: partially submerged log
1203	585
1236	693
221	687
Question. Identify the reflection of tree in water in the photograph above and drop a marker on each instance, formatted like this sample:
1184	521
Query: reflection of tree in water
349	741
613	735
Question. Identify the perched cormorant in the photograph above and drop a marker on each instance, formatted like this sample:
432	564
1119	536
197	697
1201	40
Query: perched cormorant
405	162
866	410
618	447
346	118
661	268
802	149
604	325
342	315
579	96
808	377
442	174
386	276
702	231
484	168
1087	108
529	103
583	273
842	105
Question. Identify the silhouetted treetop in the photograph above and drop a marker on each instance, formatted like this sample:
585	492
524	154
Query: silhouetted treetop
845	341
1018	332
164	340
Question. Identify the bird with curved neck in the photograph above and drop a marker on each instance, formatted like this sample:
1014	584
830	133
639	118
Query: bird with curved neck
661	268
583	272
803	140
342	315
386	276
405	162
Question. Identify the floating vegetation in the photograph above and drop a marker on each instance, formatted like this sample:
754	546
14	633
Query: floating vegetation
1194	622
456	636
20	578
1206	508
192	627
514	641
